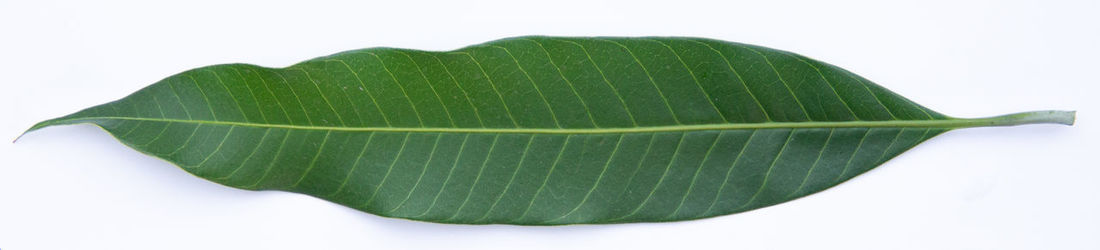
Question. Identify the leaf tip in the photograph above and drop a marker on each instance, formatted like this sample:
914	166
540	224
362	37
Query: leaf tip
32	129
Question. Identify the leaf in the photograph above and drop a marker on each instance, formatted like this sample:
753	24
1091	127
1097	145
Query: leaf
532	130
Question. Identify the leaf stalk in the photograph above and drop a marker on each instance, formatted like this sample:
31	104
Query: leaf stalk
1022	118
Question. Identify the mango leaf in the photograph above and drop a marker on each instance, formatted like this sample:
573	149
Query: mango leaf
532	130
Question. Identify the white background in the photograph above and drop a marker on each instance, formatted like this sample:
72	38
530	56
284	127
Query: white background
1029	187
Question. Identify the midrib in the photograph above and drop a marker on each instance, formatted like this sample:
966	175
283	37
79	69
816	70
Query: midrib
1061	117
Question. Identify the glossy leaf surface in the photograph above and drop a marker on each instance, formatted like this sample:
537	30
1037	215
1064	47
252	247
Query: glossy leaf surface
532	130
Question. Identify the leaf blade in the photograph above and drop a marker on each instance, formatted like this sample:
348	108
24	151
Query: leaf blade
553	130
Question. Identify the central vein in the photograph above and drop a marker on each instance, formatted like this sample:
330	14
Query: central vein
1004	120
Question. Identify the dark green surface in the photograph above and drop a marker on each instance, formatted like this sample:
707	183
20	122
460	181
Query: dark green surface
531	130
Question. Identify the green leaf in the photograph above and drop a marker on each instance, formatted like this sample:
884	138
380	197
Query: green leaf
532	130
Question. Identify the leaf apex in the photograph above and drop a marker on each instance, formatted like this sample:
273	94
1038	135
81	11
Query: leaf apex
36	126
